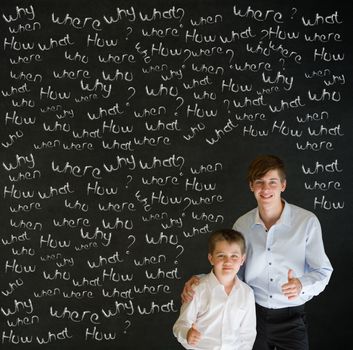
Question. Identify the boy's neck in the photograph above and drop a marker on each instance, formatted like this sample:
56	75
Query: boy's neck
228	288
228	284
271	214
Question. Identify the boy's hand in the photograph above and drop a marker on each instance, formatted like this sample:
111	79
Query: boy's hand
188	292
193	336
293	287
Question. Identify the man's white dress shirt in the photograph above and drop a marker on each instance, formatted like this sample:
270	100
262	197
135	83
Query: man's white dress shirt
293	242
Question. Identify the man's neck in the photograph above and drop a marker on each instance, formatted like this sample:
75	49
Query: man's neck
271	214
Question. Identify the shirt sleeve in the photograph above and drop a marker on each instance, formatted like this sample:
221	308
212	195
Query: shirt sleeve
188	315
318	268
248	325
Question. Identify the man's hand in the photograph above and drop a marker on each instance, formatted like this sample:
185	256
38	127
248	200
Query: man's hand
193	336
188	292
293	287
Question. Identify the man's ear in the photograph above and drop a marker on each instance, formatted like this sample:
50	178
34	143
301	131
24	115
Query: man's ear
284	185
251	187
210	259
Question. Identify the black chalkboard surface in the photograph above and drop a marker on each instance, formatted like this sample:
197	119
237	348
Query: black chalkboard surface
127	128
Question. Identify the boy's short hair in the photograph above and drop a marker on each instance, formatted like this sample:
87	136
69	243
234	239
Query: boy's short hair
262	164
229	235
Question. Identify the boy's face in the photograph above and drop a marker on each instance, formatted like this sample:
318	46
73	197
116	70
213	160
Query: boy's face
267	190
226	259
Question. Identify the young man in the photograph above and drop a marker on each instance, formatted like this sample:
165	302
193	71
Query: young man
286	261
222	313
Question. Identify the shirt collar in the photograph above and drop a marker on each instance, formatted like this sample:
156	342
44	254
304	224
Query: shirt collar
283	220
214	283
213	280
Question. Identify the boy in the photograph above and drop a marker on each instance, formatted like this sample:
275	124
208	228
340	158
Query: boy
222	313
286	262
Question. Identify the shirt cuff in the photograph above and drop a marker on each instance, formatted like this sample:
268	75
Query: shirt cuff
306	286
181	336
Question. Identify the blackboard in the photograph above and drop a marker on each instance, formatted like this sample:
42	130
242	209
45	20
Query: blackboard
126	131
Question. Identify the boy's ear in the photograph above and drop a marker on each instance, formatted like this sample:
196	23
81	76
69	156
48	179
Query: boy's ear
243	259
251	187
210	258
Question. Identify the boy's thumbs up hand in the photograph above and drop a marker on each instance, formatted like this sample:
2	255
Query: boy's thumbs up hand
293	287
193	336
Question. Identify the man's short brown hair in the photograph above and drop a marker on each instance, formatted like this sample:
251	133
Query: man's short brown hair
262	164
229	235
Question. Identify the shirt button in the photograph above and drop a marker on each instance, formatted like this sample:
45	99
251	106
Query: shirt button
268	249
271	279
270	296
270	263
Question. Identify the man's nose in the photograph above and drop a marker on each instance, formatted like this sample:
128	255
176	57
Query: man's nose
265	186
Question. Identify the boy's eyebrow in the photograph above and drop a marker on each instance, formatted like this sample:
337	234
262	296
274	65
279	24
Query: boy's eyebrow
221	251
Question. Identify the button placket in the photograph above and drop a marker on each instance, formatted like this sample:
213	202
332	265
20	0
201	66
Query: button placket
269	254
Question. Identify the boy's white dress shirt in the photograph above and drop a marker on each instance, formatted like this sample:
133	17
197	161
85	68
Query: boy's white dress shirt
226	322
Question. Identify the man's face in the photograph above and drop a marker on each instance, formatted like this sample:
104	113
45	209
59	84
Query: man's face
267	189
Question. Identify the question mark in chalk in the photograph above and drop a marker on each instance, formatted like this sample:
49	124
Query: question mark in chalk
133	241
128	181
232	55
129	31
228	104
294	10
179	105
133	93
181	252
128	324
282	60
